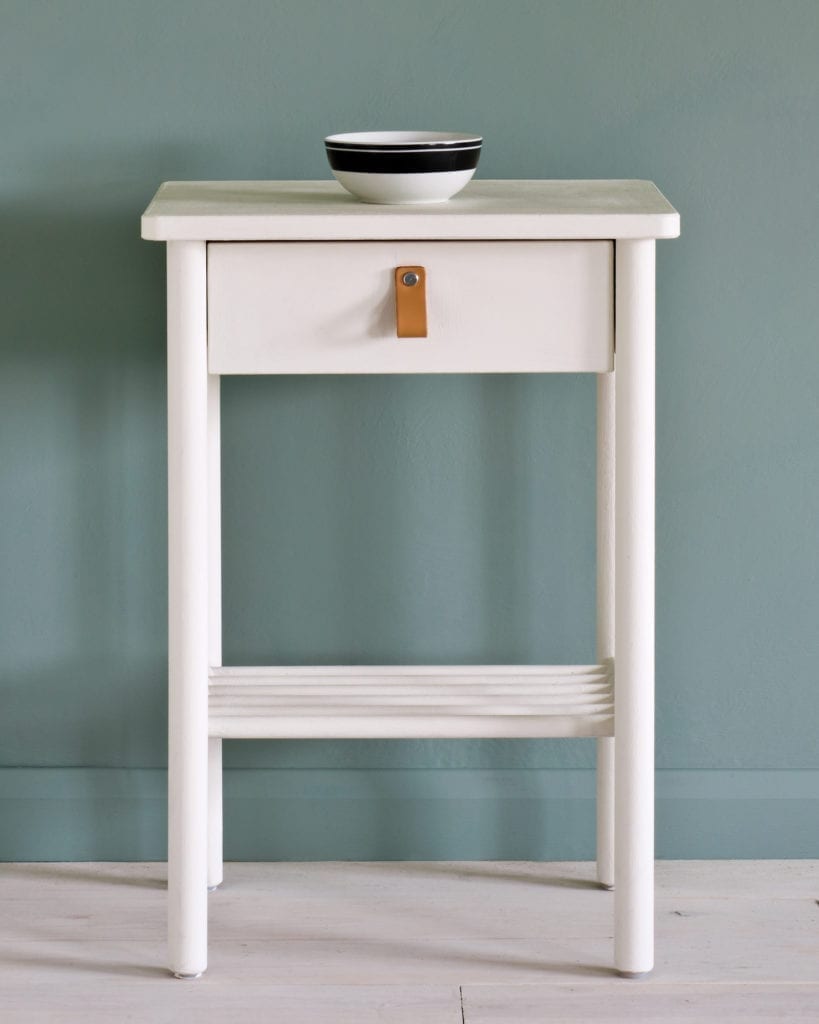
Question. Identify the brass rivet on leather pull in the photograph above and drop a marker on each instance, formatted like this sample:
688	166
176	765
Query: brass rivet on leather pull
410	302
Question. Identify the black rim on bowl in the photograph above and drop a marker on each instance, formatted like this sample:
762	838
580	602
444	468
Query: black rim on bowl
403	163
427	156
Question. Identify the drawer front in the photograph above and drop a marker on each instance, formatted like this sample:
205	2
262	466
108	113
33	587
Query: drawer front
329	307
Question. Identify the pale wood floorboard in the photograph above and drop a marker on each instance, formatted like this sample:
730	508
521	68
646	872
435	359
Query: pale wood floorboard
641	1002
425	943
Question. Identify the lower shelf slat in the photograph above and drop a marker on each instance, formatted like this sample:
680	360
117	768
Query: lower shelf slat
407	702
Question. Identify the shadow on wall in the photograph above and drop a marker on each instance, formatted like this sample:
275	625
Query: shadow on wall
82	419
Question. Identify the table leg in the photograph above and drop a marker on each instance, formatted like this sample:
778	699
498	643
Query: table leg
215	869
187	609
634	609
215	828
605	617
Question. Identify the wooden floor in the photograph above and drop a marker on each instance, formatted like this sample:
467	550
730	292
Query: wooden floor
421	943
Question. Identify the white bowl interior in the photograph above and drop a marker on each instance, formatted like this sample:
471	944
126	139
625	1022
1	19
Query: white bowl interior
399	138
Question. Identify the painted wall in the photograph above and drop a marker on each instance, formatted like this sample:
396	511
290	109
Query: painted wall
415	519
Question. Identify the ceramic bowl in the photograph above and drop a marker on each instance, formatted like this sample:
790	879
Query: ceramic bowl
403	167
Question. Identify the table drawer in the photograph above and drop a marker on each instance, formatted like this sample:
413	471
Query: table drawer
329	307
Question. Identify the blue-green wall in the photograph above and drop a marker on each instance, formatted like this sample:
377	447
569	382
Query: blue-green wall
412	519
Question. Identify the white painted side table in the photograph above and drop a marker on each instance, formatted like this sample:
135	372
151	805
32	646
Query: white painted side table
510	276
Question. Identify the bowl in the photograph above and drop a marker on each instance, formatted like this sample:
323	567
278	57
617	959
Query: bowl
403	167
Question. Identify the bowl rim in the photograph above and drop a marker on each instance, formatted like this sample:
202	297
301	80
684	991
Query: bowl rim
408	141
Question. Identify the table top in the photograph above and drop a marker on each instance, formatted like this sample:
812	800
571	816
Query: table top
323	210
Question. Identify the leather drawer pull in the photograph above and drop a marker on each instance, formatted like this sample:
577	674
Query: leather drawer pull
410	302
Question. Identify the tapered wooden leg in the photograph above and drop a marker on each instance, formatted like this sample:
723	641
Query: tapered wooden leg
214	626
215	870
605	617
187	609
634	610
605	811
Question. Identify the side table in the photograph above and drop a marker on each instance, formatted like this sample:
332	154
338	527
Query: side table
509	277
